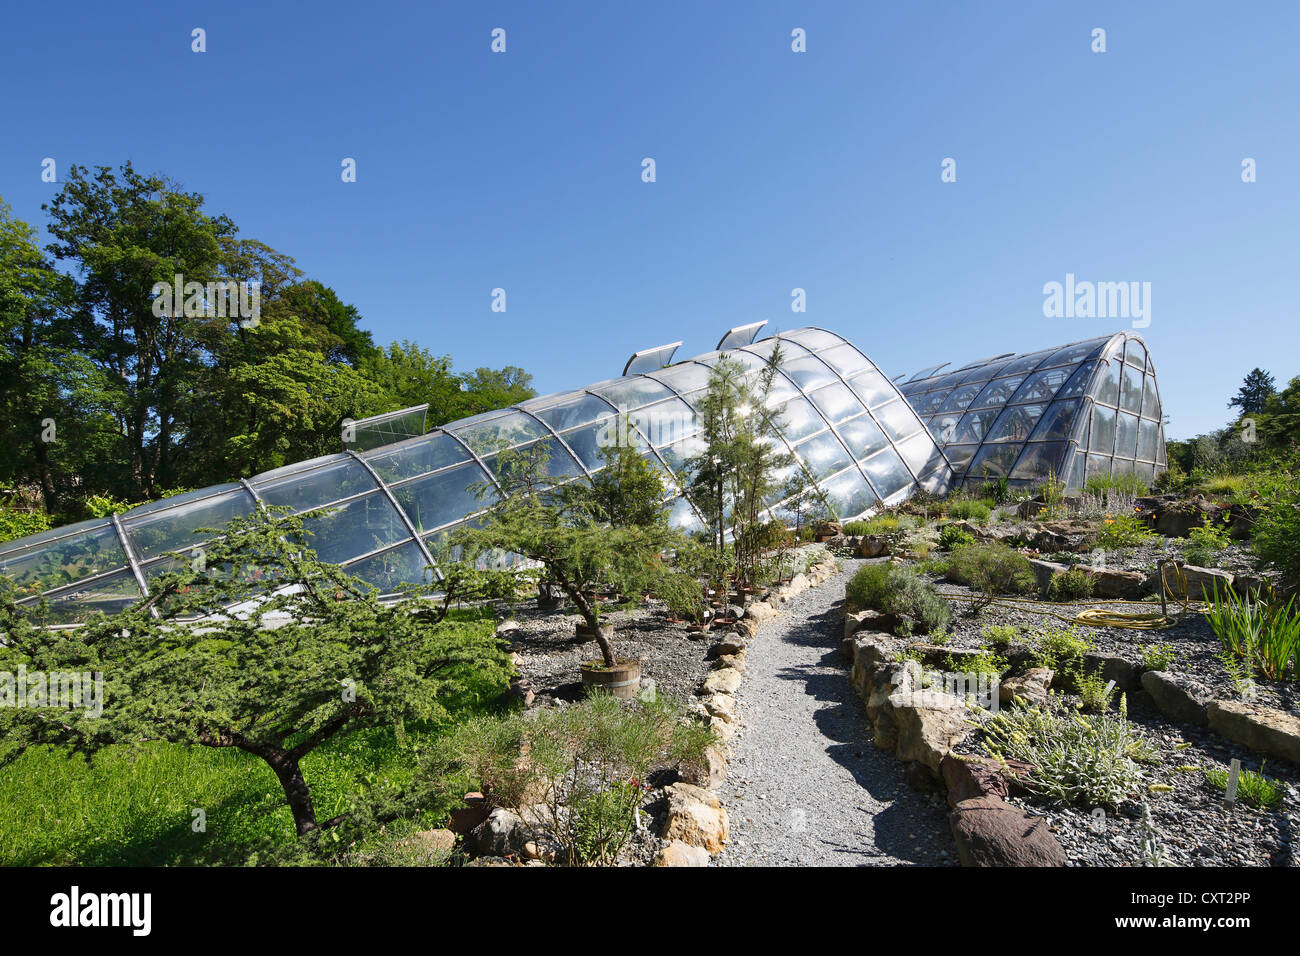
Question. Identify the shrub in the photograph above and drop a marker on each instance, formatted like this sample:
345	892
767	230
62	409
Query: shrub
1062	650
1253	788
982	663
970	510
1129	484
1094	692
953	538
1123	531
583	767
1276	536
1205	542
901	591
1262	634
1158	657
992	570
1074	760
1001	636
1075	584
19	524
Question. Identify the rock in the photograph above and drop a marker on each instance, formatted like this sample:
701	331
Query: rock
724	681
734	661
991	832
708	771
1110	667
1202	583
869	620
827	529
723	730
747	628
927	733
1177	697
541	851
1175	519
502	834
760	611
722	706
696	817
1110	582
921	778
873	546
505	628
969	778
1044	571
470	816
797	585
1269	731
489	861
935	654
429	847
521	691
1029	687
730	644
678	853
1249	585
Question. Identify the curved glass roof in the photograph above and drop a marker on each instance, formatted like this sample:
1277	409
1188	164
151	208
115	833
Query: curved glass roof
1087	408
848	425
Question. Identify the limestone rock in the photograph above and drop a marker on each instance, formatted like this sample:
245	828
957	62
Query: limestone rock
1029	687
1111	582
927	733
695	816
678	853
722	706
760	611
1269	731
708	771
502	834
724	681
1177	697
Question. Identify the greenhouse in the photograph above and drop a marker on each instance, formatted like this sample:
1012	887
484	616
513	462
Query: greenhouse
1085	409
382	506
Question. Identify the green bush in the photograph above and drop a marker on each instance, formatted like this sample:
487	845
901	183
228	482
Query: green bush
1276	536
992	570
1074	584
1001	636
1074	760
1123	531
1062	650
19	524
1095	692
970	510
900	591
1204	543
953	538
1264	635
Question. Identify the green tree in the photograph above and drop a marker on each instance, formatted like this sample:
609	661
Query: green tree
320	655
1255	391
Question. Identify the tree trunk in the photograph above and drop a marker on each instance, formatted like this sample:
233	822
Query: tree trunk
296	791
592	621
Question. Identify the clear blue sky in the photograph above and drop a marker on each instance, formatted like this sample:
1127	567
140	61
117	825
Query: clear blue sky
775	170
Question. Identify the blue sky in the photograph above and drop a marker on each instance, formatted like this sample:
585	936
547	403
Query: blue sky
775	170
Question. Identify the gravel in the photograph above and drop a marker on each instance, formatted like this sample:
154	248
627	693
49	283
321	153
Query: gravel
805	784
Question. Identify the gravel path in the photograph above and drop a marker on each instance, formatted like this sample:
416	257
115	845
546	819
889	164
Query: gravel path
805	785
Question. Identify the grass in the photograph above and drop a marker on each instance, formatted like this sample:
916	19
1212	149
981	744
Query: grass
133	806
1261	634
1253	789
1129	484
970	509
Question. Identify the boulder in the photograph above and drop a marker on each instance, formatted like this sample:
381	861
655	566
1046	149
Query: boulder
1177	697
873	546
1044	571
502	834
429	847
970	777
735	661
469	816
1202	583
724	681
1110	667
696	817
927	733
706	772
730	644
868	620
991	832
1269	731
1029	687
678	853
1111	582
722	729
722	706
760	611
1176	519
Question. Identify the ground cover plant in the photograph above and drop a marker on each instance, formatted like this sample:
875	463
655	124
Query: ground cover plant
900	591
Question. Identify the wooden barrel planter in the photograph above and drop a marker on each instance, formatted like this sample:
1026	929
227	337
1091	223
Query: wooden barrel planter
623	680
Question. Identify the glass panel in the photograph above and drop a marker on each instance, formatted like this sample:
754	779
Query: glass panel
823	455
504	432
783	390
1074	353
836	402
993	461
1135	354
1103	430
631	393
676	454
1078	383
443	497
961	398
925	404
848	494
959	455
897	419
303	492
799	420
982	373
996	392
110	595
1130	397
390	570
1075	468
1026	363
1146	470
863	436
572	412
1038	460
683	516
1098	465
814	338
1126	440
944	427
666	422
1148	437
1160	447
347	531
808	372
386	429
845	359
559	463
975	425
1041	386
686	377
588	440
789	349
177	529
873	388
1108	388
54	558
1016	423
920	453
887	473
416	458
1150	400
1058	421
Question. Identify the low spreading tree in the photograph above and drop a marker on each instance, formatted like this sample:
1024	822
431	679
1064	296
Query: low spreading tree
565	528
276	675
